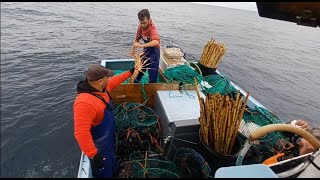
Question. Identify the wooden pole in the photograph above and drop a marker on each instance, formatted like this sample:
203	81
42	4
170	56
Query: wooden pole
239	119
232	122
225	123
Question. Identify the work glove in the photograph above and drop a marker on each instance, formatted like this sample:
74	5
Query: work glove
132	70
97	162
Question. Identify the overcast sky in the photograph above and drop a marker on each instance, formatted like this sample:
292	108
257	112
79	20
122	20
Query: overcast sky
250	6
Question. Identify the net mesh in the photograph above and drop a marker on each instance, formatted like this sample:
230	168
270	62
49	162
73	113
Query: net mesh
137	129
219	84
148	164
270	144
185	74
191	164
139	147
262	117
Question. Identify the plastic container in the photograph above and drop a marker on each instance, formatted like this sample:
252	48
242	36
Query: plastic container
216	159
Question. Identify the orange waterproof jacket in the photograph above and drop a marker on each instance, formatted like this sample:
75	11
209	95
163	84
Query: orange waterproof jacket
89	111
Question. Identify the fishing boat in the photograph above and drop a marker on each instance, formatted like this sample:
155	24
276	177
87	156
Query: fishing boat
182	130
132	93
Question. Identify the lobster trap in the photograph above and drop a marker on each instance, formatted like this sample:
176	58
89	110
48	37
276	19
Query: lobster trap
191	164
137	129
148	164
187	163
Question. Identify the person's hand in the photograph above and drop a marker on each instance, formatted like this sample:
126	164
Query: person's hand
97	162
137	45
302	124
131	53
305	147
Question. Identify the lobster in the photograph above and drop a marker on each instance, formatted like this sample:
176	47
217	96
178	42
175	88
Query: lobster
139	66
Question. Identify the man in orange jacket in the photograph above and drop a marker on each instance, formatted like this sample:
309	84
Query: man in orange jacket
94	118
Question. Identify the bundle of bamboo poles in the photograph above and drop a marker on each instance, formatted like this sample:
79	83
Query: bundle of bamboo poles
212	54
220	118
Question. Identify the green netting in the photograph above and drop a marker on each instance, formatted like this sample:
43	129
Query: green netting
137	129
270	144
139	155
191	164
220	84
133	115
262	117
153	173
183	74
272	118
151	165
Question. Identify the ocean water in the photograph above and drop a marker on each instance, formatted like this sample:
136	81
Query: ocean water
47	46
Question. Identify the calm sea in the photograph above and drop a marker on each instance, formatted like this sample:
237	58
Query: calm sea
47	46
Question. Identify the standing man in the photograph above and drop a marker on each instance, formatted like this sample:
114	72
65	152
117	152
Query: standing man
94	118
148	32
